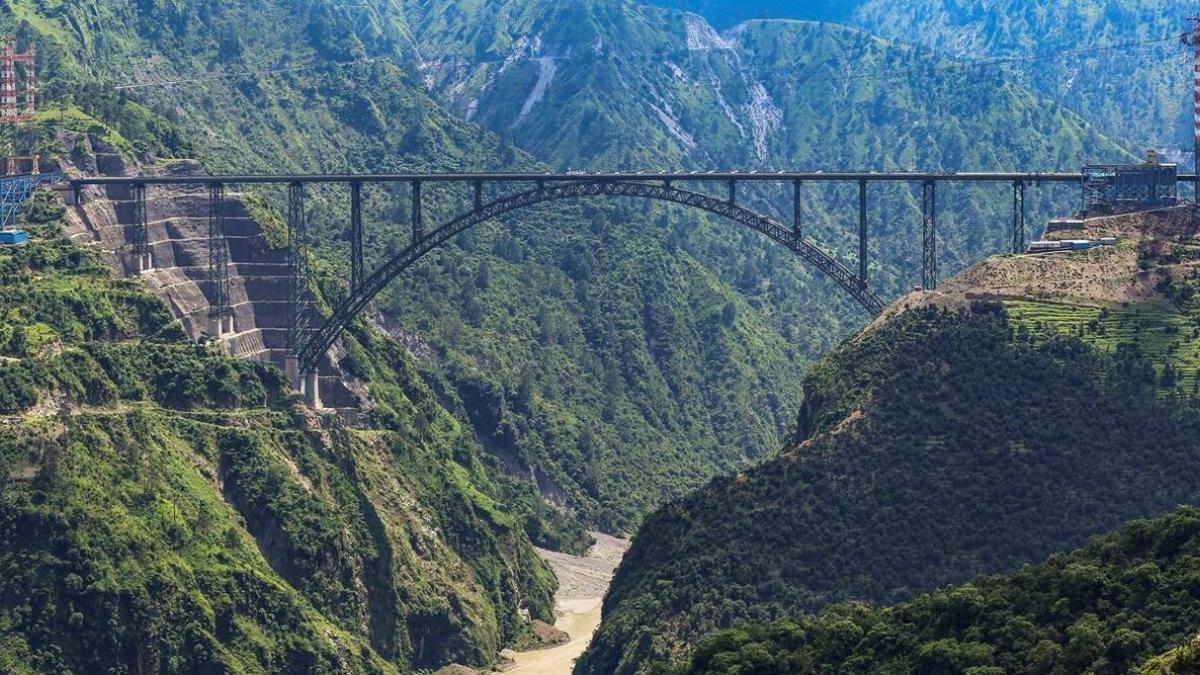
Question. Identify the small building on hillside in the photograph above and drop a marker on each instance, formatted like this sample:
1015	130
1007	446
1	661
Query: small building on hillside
1120	188
13	238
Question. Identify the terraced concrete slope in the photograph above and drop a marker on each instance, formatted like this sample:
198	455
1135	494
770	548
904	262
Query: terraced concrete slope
1018	410
177	220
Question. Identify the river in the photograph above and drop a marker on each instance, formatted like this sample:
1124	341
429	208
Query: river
582	582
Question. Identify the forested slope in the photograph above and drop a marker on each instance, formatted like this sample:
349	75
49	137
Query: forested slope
1118	64
167	508
1106	608
540	320
952	438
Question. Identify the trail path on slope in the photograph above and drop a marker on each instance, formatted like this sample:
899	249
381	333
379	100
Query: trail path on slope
582	582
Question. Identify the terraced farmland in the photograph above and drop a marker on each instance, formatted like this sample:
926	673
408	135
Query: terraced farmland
1161	331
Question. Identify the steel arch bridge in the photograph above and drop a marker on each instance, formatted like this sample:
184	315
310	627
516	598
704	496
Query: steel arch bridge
324	337
526	190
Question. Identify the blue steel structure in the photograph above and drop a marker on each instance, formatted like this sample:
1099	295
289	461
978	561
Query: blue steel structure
16	190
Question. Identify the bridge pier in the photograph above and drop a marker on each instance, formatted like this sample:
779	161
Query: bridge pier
220	325
356	236
929	260
797	210
1018	228
862	233
307	383
312	389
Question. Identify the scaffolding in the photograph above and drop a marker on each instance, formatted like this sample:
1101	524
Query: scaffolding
1109	188
16	190
16	103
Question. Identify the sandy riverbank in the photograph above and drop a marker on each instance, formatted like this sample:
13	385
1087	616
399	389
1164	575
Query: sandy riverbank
582	582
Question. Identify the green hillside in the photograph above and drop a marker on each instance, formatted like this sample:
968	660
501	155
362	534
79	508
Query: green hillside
1118	64
166	508
537	324
1103	609
953	438
613	84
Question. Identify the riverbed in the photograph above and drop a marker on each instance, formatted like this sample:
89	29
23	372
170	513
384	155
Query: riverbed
582	582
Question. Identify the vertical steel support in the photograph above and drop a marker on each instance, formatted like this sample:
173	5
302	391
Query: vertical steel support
732	191
297	268
862	233
141	236
1018	227
418	225
929	257
797	210
356	237
478	195
218	256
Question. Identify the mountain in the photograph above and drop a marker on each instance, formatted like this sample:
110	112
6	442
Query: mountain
168	508
615	85
1105	608
1030	403
541	329
1118	64
382	88
724	14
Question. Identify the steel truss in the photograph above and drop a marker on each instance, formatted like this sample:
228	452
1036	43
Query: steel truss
218	255
1018	227
929	256
16	190
297	223
324	337
141	227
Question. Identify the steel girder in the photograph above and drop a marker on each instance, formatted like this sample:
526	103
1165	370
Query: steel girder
297	224
218	253
1018	228
141	227
324	337
929	256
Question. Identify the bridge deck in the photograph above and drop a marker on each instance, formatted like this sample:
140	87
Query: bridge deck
762	176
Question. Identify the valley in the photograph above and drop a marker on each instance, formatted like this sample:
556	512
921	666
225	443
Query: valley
603	337
582	583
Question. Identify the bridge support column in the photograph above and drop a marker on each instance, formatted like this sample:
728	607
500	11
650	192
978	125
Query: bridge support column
141	228
862	233
1018	226
356	236
218	259
312	389
418	225
929	258
797	210
297	266
291	369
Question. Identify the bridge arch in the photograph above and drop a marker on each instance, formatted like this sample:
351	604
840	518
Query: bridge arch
319	342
